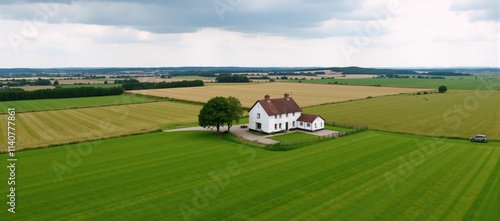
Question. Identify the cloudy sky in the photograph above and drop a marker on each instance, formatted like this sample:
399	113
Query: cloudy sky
155	33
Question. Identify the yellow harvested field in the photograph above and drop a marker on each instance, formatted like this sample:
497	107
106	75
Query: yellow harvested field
45	128
304	94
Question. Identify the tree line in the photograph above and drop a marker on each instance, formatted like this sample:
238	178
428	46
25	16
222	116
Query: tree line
19	94
376	71
23	82
126	81
232	79
447	73
159	85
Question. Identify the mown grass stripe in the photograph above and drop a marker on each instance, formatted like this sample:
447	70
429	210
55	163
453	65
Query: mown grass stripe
487	201
471	184
442	186
390	204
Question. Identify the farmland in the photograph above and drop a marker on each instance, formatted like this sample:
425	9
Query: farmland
358	177
453	114
304	94
467	83
50	104
35	129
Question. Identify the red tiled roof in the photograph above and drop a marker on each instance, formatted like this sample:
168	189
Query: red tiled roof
308	117
279	106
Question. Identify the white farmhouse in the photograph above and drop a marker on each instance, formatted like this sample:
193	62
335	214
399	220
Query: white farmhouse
282	114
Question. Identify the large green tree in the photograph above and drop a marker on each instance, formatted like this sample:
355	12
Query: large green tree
220	111
235	111
214	113
442	89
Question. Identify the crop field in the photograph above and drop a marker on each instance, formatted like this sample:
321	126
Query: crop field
365	176
304	94
35	129
50	104
468	83
453	114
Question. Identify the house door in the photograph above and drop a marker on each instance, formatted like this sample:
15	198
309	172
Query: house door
286	126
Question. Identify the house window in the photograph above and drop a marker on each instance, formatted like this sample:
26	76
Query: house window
275	126
281	115
258	115
280	125
258	126
301	124
286	115
293	123
308	125
293	114
315	125
275	116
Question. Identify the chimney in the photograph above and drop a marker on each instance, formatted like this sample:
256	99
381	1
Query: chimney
287	96
267	98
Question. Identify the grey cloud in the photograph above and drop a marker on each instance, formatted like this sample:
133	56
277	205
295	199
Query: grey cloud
297	18
479	10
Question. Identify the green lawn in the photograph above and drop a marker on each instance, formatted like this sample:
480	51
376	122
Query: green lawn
336	128
199	176
293	136
64	103
468	83
456	113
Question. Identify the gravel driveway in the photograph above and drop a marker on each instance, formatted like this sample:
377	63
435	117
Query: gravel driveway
236	130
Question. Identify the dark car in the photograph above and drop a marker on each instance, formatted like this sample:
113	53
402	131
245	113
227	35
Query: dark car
479	138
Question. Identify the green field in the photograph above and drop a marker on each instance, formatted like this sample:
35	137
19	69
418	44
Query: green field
293	136
366	176
88	85
468	83
63	103
460	114
337	128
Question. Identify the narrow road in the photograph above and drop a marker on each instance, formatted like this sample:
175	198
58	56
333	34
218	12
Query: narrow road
236	130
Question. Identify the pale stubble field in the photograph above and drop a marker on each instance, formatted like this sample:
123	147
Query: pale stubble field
304	94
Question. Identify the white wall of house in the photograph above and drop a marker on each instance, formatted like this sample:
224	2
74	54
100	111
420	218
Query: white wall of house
318	124
304	125
279	122
258	115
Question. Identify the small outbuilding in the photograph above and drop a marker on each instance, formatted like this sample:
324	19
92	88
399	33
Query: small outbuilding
310	122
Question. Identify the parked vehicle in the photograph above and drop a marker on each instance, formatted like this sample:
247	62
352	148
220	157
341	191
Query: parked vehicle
479	138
